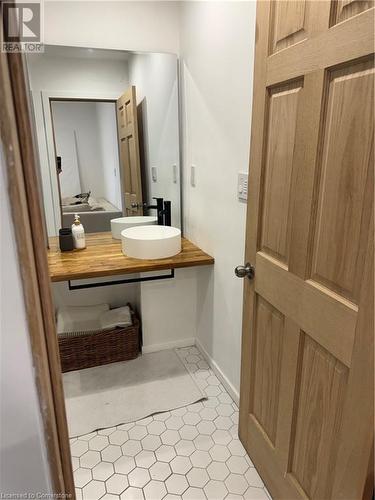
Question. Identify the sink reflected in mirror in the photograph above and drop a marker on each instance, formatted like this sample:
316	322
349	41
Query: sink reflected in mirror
151	242
121	223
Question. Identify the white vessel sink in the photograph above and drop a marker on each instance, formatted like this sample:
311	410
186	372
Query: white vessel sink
121	223
151	242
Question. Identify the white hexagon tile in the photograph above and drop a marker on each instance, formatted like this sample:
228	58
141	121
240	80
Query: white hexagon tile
190	453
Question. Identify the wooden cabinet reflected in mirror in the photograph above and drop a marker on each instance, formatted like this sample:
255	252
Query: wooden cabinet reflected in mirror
107	130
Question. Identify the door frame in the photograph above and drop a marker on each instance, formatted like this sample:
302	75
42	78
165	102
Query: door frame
24	188
41	101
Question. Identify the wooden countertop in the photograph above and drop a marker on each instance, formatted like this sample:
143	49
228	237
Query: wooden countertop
103	257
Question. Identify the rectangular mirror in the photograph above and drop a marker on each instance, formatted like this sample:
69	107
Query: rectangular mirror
107	129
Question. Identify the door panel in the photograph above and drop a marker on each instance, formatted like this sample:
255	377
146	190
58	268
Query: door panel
283	105
347	149
269	343
344	9
321	390
127	124
289	23
308	323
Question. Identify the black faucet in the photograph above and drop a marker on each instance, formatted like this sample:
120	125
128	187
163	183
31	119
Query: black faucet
163	210
167	213
159	209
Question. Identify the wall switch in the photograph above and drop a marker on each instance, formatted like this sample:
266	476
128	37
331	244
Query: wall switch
193	175
174	170
154	174
242	186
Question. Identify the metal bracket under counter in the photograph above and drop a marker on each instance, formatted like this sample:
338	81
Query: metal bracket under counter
120	282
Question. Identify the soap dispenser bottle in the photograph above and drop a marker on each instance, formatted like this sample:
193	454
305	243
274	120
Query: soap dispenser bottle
78	233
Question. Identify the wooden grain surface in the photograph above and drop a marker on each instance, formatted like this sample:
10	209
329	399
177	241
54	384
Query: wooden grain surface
103	257
307	354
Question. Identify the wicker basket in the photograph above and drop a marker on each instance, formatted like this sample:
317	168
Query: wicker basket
86	349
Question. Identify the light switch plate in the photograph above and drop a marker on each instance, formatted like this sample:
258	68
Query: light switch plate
242	186
154	174
193	180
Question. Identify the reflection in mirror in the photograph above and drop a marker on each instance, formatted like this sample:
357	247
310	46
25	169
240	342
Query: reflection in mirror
108	135
88	168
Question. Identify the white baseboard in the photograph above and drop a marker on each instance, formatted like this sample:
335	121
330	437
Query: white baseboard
218	372
168	345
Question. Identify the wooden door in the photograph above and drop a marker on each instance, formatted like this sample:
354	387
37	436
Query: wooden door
127	123
306	408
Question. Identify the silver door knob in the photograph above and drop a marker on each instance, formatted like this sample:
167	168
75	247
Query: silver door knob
245	271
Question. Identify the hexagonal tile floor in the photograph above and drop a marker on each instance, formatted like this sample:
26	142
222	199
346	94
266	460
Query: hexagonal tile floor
191	453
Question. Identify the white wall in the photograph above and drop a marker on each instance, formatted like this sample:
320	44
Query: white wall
217	43
79	119
61	69
66	148
115	296
147	26
155	78
168	310
23	459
